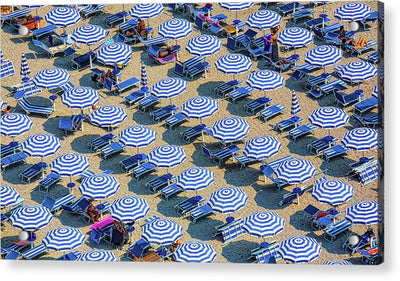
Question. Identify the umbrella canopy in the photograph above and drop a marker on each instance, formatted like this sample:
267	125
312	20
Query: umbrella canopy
200	107
99	187
167	156
227	200
195	178
80	97
295	171
329	117
9	195
63	16
137	136
323	56
299	249
143	76
31	218
265	80
233	63
357	71
168	88
107	116
263	19
295	109
375	92
89	34
195	251
51	78
162	231
25	70
230	129
69	164
236	6
353	12
203	45
146	11
129	209
98	255
14	124
332	191
337	262
261	147
364	212
114	53
63	239
41	145
263	224
361	139
175	28
1	56
295	37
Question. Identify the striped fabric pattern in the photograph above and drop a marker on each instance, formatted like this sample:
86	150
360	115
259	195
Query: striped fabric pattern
332	191
162	231
265	80
114	53
233	63
63	239
107	116
175	28
263	19
364	212
323	56
137	136
146	11
357	71
80	97
14	124
295	37
295	171
299	249
51	78
329	117
63	16
295	109
99	187
230	129
195	251
168	87
69	164
41	145
129	209
263	224
25	70
361	139
167	156
98	255
203	45
89	34
353	12
195	178
8	195
31	218
227	200
200	107
261	147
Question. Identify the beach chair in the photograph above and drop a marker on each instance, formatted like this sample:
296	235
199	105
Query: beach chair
127	84
268	172
323	219
148	102
334	151
13	159
334	27
164	112
244	161
369	20
293	196
233	231
257	104
313	82
102	141
55	205
198	69
303	71
33	171
112	149
292	61
371	256
6	69
364	240
29	107
316	22
98	234
365	105
170	191
18	246
143	169
72	124
50	51
12	255
239	93
43	31
78	207
136	250
25	89
263	247
334	230
347	99
129	163
83	61
123	28
199	212
160	182
175	120
88	173
372	57
226	87
189	204
269	256
271	112
181	67
301	131
361	162
371	45
34	252
148	41
11	148
287	123
289	8
333	86
222	155
301	14
135	96
113	19
4	219
369	174
193	132
372	120
91	10
319	145
153	54
71	256
276	163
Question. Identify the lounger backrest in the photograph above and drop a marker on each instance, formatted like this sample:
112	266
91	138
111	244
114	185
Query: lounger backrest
206	151
231	43
48	202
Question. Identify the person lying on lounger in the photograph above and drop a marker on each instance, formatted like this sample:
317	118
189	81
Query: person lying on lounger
165	52
7	110
25	20
92	212
140	28
362	42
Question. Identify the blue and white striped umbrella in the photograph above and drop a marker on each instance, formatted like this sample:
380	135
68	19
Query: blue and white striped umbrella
295	171
295	109
98	255
51	78
295	37
195	178
143	76
328	117
233	63
337	262
89	34
227	199
195	251
129	209
203	45
167	156
230	129
261	147
80	97
175	28
114	53
168	87
263	19
381	14
263	224
137	136
1	56
9	195
63	239
361	139
99	187
375	92
25	70
364	212
200	107
353	12
146	11
162	231
332	191
236	6
41	145
63	16
69	164
265	80
14	124
107	116
357	71
31	218
324	55
299	249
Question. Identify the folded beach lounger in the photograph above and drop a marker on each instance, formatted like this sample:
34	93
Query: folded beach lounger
271	111
287	123
372	120
136	250
301	14
135	96
364	241
175	120
301	131
50	51
268	172
91	10
170	191
189	204
113	19
233	231
369	174
55	205
239	93
130	162
33	171
102	141
318	145
198	69
160	182
29	107
244	161
332	231
164	112
289	8
263	247
83	61
6	69
72	124
127	84
13	160
143	169
334	151
269	256
226	87
112	149
148	102
371	46
365	105
200	212
193	132
362	161
347	99
11	148
34	252
257	104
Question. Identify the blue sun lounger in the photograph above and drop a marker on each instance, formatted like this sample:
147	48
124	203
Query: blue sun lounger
33	171
148	42
371	46
301	131
315	23
135	96
226	87
143	169
136	250
369	20
222	155
287	123
11	148
197	69
271	111
50	180
332	231
371	256
301	14
200	212
293	196
130	162
46	30
127	84
91	10
269	256
88	173
365	105
257	104
347	99
164	112
372	57
83	61
34	252
113	19
148	102
239	93
13	160
160	182
318	145
289	8
268	172
169	191
244	161
102	141
369	174
55	205
372	120
72	124
6	69
50	51
189	204
187	64
313	82
233	231
175	120
292	61
14	247
193	132
336	85
112	149
264	247
334	151
26	89
29	107
71	256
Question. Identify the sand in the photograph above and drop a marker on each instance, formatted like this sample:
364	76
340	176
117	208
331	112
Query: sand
262	196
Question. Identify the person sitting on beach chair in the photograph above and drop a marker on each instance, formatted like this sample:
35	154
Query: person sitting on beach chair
109	74
92	212
140	28
118	237
25	20
361	43
7	110
166	52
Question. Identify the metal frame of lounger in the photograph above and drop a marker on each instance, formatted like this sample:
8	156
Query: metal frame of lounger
135	96
287	123
371	46
55	205
257	104
90	10
175	120
233	232
225	87
50	180
331	232
160	182
200	212
239	93
332	152
142	170
130	162
316	22
301	131
244	161
148	102
372	120
345	100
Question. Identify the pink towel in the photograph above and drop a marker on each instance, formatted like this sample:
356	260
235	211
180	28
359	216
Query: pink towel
103	223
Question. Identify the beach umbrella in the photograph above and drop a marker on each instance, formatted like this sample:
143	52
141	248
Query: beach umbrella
162	231
114	53
227	200
357	71
137	136
195	178
263	224
364	212
143	78
1	56
80	97
129	209
295	37
168	88
99	187
230	129
63	239
261	147
25	70
63	17
69	164
265	80
352	12
98	255
175	28
146	11
332	191
337	262
299	249
14	124
233	64
200	107
107	116
323	56
9	196
361	139
30	218
328	117
263	19
203	45
295	109
375	92
195	251
236	6
41	145
295	171
51	78
167	156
